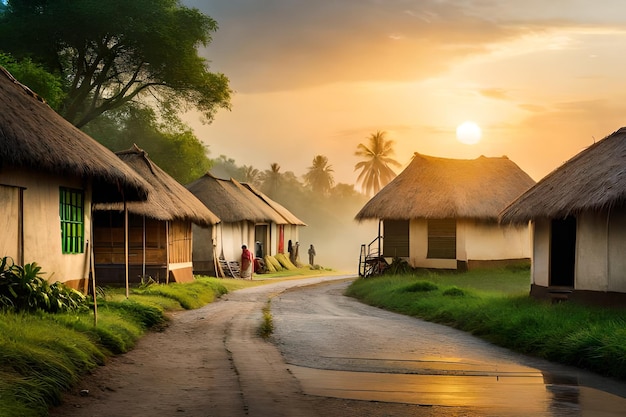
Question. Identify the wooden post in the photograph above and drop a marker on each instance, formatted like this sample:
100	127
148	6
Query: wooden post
93	285
126	246
143	270
167	252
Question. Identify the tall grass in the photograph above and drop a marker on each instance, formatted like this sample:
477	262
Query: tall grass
495	305
43	354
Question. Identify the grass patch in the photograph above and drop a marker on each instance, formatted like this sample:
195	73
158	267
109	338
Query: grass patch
495	305
267	325
44	354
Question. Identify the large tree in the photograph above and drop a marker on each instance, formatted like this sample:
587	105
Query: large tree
170	144
320	176
375	168
116	51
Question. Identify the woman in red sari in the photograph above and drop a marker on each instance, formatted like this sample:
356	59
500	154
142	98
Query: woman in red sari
247	263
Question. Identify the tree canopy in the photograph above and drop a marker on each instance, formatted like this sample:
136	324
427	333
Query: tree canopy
171	145
320	176
375	168
113	52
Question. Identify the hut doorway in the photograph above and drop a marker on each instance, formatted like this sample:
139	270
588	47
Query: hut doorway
563	252
261	240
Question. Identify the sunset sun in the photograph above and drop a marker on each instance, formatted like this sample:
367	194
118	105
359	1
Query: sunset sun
468	133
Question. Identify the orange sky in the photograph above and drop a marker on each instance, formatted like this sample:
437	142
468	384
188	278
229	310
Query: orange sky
543	79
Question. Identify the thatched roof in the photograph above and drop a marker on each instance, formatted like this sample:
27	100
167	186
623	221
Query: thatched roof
232	202
594	179
289	217
167	198
32	135
440	188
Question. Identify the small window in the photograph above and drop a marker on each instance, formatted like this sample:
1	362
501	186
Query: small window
442	239
396	238
71	211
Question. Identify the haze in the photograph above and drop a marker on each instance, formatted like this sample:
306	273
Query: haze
542	79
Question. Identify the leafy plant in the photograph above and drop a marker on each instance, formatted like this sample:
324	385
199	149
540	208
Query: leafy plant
23	288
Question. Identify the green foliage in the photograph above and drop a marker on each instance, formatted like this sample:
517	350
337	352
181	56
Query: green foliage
169	143
453	292
112	52
420	286
40	358
190	295
267	325
319	176
42	82
43	354
23	288
495	306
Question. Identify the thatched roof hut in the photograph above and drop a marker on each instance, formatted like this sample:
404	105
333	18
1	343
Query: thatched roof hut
441	188
289	217
593	180
35	136
167	198
232	202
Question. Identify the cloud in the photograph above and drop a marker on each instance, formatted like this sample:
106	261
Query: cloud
495	93
292	44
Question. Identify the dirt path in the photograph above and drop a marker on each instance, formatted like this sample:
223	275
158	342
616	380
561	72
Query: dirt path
210	362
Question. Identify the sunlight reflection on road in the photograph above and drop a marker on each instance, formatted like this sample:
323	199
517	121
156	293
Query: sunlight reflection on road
491	393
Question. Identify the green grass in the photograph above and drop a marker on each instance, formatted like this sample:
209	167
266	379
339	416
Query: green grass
495	305
267	325
42	354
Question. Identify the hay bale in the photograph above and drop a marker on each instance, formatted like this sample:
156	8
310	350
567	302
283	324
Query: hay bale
285	262
272	264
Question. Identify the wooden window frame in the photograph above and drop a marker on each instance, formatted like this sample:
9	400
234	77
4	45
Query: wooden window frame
72	215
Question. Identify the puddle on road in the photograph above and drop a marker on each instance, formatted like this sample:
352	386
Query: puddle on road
524	392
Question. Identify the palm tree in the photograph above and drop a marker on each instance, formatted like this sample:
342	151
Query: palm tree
251	175
375	170
272	179
319	176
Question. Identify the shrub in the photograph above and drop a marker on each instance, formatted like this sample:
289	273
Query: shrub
421	286
454	292
22	288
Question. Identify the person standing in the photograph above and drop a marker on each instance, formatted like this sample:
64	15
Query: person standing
246	267
311	255
292	256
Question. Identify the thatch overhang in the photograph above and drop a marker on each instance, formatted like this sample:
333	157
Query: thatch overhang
443	188
32	135
167	198
231	203
594	179
289	217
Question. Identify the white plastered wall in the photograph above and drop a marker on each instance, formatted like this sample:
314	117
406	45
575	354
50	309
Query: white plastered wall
490	241
42	224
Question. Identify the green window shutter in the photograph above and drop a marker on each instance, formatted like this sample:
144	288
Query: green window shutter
71	211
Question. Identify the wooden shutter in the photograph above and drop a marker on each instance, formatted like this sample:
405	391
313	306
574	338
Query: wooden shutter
442	239
396	238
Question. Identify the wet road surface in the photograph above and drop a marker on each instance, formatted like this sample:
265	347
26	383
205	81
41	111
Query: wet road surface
338	347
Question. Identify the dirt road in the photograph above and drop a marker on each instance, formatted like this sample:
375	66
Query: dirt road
338	357
210	362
